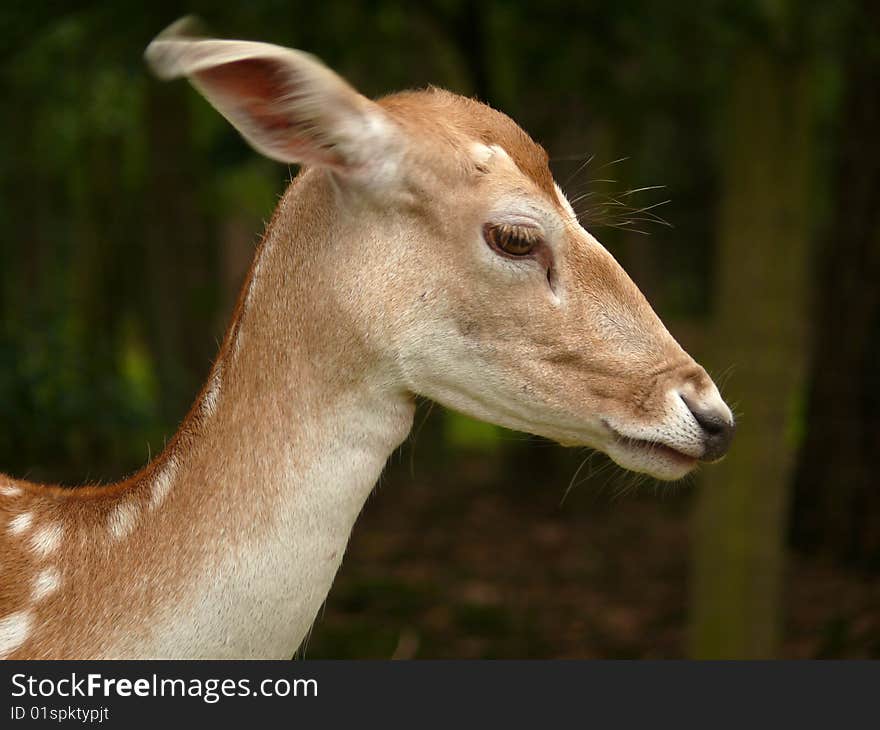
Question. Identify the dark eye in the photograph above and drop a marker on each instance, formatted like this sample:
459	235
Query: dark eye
511	240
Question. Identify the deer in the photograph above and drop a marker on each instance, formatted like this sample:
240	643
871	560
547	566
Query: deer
422	250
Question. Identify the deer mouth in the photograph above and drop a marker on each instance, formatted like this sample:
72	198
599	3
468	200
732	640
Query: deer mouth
654	448
649	456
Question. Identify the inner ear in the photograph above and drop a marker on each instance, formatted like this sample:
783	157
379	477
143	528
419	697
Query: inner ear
266	98
254	82
285	103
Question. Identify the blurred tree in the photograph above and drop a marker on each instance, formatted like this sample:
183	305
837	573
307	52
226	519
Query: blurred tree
177	256
761	288
837	495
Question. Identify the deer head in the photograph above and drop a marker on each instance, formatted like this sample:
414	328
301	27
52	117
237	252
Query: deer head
459	264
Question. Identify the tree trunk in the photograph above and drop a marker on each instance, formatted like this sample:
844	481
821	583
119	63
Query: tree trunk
837	499
761	283
178	257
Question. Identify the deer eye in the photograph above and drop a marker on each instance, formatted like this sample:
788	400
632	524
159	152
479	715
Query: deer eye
511	240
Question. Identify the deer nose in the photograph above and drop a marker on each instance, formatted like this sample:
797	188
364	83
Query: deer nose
717	425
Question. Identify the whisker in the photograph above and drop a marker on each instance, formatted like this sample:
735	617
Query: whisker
570	158
574	477
414	437
633	191
577	171
613	162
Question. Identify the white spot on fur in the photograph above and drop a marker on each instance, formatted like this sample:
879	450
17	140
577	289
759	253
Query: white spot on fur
212	395
46	583
239	335
263	253
7	490
236	342
14	630
164	481
482	154
20	523
497	149
258	268
47	538
122	519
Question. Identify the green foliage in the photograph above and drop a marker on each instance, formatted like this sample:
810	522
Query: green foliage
467	433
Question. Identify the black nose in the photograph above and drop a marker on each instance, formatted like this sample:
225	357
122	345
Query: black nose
717	430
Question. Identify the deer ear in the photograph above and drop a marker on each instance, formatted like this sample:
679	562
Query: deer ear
285	103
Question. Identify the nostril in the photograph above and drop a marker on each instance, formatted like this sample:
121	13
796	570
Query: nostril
717	427
710	422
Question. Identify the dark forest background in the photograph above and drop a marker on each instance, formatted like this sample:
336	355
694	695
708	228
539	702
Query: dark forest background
129	211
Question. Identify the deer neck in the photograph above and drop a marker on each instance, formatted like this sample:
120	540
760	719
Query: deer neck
297	421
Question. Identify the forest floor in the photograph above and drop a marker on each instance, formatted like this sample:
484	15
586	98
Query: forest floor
471	568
